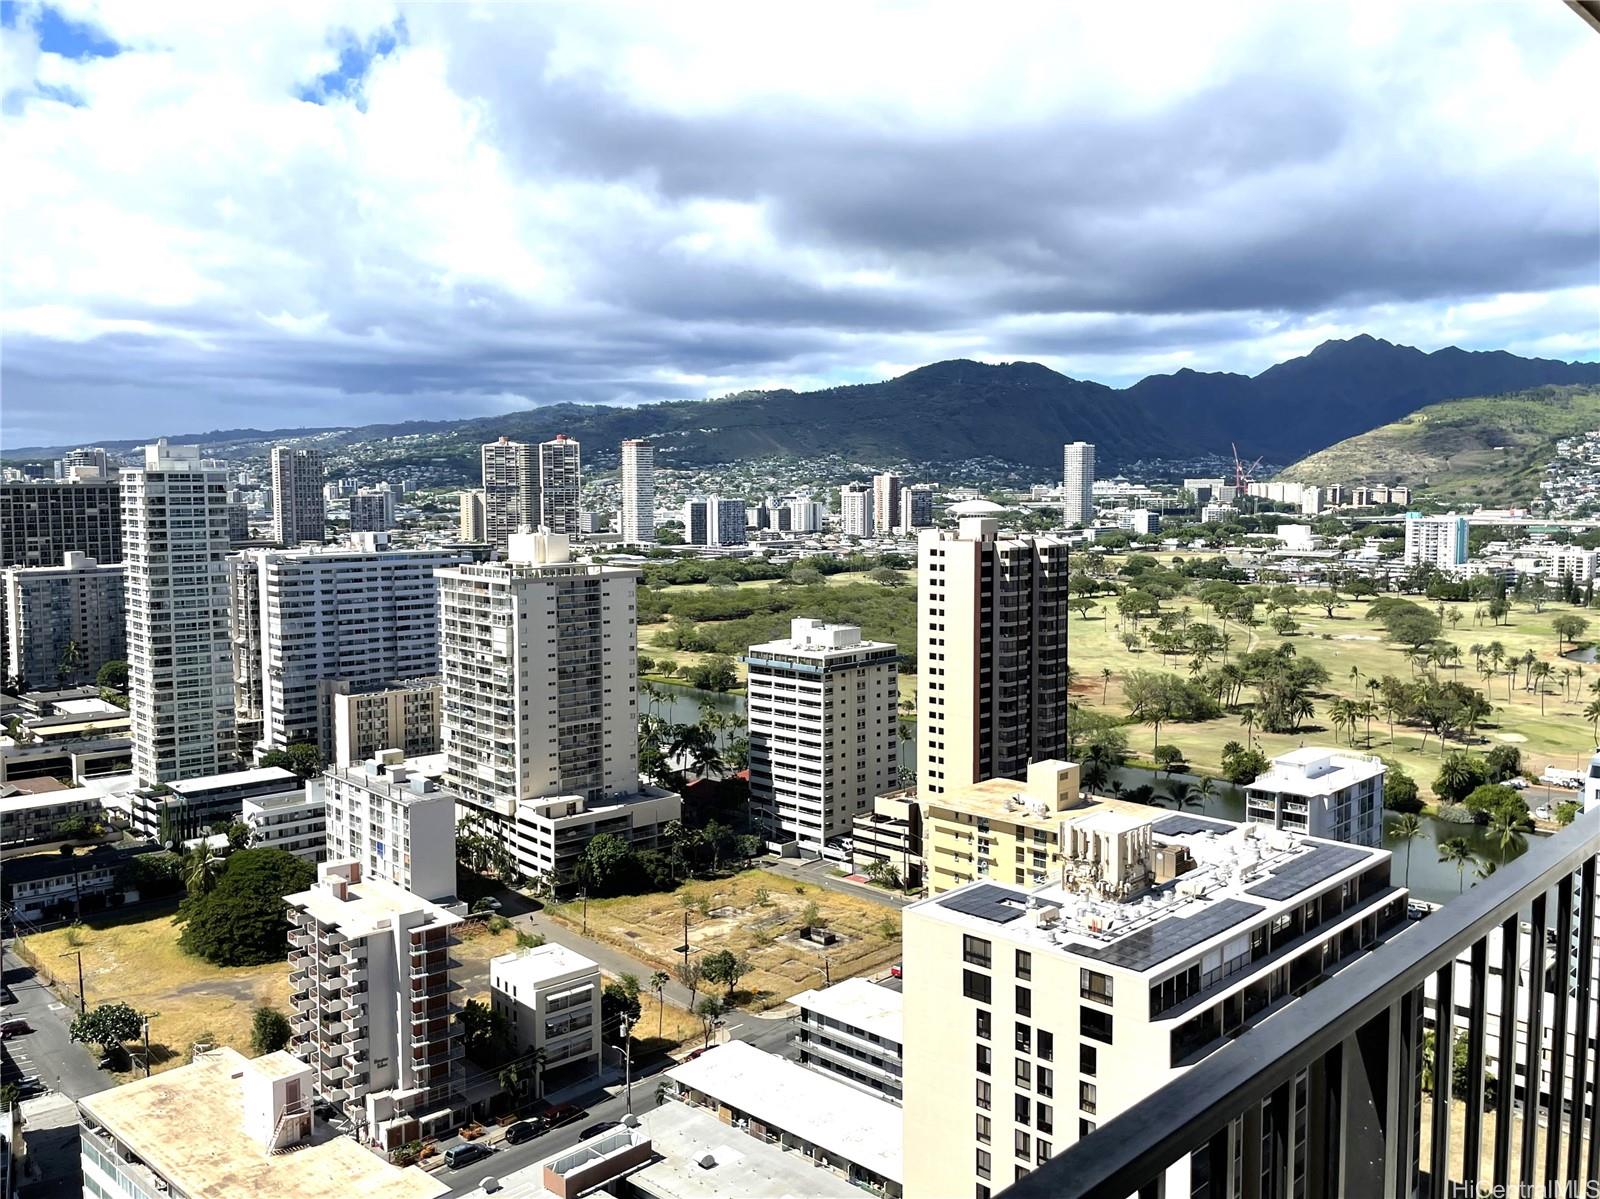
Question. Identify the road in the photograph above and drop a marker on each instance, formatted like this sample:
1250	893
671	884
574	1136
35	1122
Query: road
819	871
772	1035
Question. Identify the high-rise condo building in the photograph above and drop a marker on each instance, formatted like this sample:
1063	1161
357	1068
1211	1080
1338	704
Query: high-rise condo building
638	493
368	719
396	821
180	671
244	638
374	1005
1038	1013
696	522
824	731
1439	541
991	653
90	462
472	526
62	623
510	490
855	510
916	509
371	511
806	516
539	662
41	522
886	491
297	505
1077	483
361	614
560	486
714	521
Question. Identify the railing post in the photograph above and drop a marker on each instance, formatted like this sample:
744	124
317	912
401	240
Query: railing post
1444	1034
1477	1007
1364	1139
1558	1031
1504	1105
1535	1042
1580	1055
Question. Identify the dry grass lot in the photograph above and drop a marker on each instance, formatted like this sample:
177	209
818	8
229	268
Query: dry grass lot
140	964
753	913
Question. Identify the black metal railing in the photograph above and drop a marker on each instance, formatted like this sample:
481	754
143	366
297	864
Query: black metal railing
1327	1097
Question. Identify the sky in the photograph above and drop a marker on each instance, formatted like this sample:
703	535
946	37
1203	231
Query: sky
276	215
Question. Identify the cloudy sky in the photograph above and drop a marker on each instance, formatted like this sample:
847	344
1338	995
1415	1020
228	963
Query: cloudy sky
340	213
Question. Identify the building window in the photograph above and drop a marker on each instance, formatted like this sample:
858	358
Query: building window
975	951
983	1093
984	1059
983	1191
983	1163
1094	986
1085	1127
1024	1001
1023	1144
1044	1118
1087	1094
1021	1108
1023	1072
1024	1039
1088	1060
975	985
1047	1046
1045	1078
983	1130
1043	1154
1095	1025
983	1024
1024	964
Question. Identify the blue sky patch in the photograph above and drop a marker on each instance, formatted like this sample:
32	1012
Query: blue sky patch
355	59
58	35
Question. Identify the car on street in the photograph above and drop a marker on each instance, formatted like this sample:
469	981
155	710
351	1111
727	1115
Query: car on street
522	1130
595	1130
14	1027
465	1154
564	1113
896	970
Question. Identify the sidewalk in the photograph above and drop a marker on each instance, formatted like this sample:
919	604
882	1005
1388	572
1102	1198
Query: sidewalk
611	961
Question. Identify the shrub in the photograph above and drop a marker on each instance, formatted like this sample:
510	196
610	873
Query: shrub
269	1031
1400	789
243	921
1452	813
1459	775
1493	799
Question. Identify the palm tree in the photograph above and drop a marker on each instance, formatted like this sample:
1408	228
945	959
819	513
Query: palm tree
1181	793
1540	671
199	870
1458	850
1105	684
1205	791
1406	830
658	984
1248	719
1505	830
1592	715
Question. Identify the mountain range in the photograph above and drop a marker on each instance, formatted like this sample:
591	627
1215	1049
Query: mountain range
1018	411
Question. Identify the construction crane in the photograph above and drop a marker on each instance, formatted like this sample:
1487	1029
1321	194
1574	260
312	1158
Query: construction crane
1243	475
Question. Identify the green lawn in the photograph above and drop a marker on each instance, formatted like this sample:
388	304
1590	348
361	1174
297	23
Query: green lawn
1349	643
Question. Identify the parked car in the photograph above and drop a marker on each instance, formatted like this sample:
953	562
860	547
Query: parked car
522	1130
465	1154
14	1027
1517	783
564	1113
595	1130
895	971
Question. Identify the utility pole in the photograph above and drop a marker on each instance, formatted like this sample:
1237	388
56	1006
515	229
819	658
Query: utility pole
83	1006
585	894
147	1016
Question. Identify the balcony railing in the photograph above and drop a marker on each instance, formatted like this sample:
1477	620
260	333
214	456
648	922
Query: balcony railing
1327	1098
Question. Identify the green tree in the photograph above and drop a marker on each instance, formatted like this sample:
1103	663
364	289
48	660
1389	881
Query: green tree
658	984
1458	775
620	1007
483	1031
242	921
107	1026
113	674
1568	627
709	1010
690	974
726	968
269	1031
71	660
605	864
1458	852
1404	831
1400	793
304	758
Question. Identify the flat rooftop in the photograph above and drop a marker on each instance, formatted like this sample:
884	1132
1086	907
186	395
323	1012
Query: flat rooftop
1311	771
541	964
861	1004
1008	800
785	1095
30	800
742	1166
187	1125
238	778
371	906
1242	875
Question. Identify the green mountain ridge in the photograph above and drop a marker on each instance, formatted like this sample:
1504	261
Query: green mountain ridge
1483	449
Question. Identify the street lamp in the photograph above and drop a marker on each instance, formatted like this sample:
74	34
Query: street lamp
83	1006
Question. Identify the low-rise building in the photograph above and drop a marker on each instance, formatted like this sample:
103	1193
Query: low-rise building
27	818
1323	793
171	813
853	1031
229	1127
374	1004
549	997
548	835
293	821
840	1128
50	886
890	835
396	820
1007	830
402	715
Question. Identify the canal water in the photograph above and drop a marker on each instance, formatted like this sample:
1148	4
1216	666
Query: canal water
1416	864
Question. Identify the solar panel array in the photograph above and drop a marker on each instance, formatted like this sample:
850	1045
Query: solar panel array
1178	826
1167	938
985	902
1307	870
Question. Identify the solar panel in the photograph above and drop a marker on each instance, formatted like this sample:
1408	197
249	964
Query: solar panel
986	902
1307	870
1178	826
1167	938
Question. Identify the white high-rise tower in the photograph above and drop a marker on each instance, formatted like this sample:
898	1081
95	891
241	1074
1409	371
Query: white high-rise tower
180	667
638	493
1077	481
297	500
510	490
560	486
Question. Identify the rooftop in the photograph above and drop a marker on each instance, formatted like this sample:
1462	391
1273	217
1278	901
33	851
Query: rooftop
530	967
370	907
1313	771
1241	875
785	1095
28	800
187	1125
816	638
742	1166
860	1004
260	776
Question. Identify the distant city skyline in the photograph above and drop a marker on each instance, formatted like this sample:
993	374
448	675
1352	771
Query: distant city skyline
392	214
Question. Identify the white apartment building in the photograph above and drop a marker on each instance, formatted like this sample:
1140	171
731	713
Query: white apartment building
375	1012
855	511
886	491
853	1031
371	511
396	821
1077	483
92	461
548	833
560	486
807	516
991	653
402	715
1436	540
224	1126
190	808
298	513
244	640
1321	792
293	821
510	490
638	493
362	614
1038	1014
62	623
471	522
549	997
1217	514
180	673
725	521
823	718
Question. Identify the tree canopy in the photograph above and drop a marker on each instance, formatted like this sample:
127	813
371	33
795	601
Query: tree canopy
242	920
